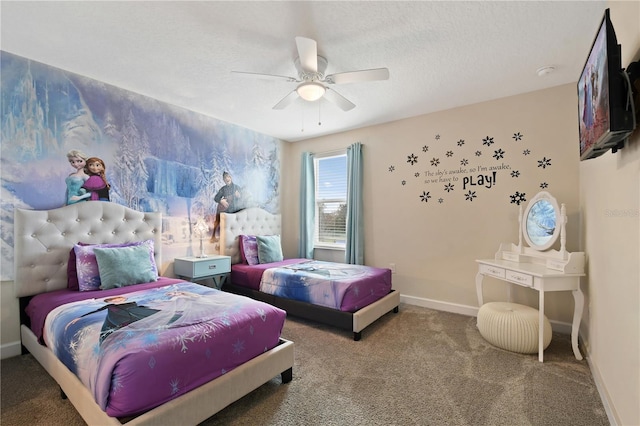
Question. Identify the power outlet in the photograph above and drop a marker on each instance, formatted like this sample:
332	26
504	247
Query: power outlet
392	266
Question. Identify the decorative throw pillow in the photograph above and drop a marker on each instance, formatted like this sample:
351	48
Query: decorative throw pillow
87	265
123	266
249	249
269	248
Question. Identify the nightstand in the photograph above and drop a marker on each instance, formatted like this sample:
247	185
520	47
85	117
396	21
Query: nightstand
213	266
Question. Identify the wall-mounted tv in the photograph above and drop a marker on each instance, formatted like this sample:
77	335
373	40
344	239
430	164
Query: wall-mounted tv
605	104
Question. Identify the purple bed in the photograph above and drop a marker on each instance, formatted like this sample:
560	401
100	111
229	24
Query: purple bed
125	347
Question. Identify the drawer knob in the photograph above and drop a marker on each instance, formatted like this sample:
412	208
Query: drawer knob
212	266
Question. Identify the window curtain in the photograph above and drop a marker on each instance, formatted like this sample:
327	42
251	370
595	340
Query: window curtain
307	206
354	250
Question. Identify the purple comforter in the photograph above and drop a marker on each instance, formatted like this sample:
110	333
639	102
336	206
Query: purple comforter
139	350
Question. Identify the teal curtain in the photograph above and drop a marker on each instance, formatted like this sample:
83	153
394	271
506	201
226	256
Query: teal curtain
307	206
354	250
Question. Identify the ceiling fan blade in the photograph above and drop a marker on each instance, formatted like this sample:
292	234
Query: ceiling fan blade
358	76
286	101
308	54
338	99
266	76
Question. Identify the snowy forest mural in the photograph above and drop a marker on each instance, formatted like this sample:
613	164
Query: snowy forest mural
158	157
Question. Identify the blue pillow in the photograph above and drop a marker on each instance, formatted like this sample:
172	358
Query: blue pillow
269	248
123	266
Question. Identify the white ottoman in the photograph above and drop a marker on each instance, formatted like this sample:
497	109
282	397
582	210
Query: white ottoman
512	327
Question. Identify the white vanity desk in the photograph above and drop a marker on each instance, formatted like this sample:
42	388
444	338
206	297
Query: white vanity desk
541	270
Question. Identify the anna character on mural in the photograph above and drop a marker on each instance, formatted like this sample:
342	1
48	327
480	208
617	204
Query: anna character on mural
75	191
97	183
229	200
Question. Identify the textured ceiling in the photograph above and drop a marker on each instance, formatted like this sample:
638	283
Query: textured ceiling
440	55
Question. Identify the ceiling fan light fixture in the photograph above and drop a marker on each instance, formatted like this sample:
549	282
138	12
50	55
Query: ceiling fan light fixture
310	91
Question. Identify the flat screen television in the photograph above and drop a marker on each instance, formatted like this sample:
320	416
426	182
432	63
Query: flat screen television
604	96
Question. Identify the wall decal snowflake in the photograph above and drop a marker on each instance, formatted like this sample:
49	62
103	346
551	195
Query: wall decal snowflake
487	141
425	196
469	196
544	162
441	200
517	136
449	154
478	153
425	148
518	198
464	162
417	174
448	187
412	159
404	182
391	168
515	174
461	142
544	185
498	154
437	137
526	152
435	161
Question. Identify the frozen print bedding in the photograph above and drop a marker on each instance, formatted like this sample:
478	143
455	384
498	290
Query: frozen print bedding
141	348
333	285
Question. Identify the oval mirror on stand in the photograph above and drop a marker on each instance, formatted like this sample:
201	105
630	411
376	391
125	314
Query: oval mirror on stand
542	222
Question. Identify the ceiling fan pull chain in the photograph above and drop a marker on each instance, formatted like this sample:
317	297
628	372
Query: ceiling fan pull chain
319	119
302	120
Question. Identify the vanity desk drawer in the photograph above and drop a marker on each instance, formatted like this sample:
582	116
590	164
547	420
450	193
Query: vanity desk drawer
519	278
492	270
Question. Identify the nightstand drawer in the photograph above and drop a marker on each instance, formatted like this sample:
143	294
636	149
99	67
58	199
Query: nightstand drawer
198	267
492	270
519	278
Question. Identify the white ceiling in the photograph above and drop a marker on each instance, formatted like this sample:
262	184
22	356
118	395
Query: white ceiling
440	55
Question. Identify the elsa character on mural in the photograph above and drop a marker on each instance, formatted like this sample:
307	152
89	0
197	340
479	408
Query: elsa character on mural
75	191
97	182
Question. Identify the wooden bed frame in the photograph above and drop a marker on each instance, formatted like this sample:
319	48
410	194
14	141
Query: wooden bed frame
256	221
42	242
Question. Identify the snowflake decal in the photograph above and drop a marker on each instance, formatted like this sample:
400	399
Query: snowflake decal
448	187
404	182
437	137
461	142
526	152
498	154
544	162
425	196
517	136
487	141
515	174
478	153
464	162
518	198
417	174
435	161
449	154
412	159
544	185
469	196
391	168
425	148
441	200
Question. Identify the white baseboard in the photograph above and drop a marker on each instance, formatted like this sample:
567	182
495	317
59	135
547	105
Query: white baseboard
9	350
602	391
471	311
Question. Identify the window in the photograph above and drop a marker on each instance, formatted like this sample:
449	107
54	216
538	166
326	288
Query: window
331	201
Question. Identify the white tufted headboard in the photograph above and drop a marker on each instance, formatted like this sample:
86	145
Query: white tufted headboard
43	239
251	221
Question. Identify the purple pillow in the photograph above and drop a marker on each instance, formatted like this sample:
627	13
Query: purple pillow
249	249
87	264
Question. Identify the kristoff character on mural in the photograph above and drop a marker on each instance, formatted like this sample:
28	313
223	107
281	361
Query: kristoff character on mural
75	191
228	199
97	183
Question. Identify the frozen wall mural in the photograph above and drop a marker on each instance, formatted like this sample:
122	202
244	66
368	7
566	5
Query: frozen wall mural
157	157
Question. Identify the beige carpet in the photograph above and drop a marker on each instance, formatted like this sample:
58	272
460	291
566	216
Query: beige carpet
416	367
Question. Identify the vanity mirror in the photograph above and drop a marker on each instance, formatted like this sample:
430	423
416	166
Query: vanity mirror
542	222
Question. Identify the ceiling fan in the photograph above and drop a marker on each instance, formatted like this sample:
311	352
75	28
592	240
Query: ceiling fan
313	84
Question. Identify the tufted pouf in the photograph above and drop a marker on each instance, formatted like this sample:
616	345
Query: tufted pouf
512	327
